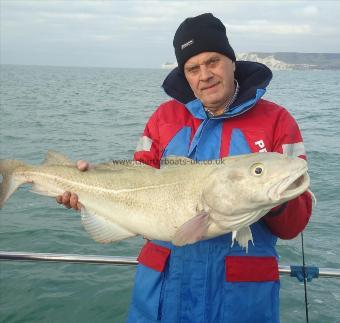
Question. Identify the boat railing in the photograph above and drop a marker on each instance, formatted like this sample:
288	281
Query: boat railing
300	272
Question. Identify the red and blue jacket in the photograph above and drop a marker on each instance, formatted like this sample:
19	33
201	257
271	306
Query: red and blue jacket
212	281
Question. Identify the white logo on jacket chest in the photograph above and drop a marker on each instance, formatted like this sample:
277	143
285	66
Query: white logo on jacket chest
260	144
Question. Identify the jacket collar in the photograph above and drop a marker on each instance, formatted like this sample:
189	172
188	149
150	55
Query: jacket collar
253	78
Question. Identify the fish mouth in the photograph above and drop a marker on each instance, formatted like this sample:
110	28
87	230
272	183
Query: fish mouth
290	187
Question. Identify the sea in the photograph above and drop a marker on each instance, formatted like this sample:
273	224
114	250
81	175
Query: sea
98	114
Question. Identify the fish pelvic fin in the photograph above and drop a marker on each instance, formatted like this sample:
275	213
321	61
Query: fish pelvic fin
10	182
242	236
103	230
192	230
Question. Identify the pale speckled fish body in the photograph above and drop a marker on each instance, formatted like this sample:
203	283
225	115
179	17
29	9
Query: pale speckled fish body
182	202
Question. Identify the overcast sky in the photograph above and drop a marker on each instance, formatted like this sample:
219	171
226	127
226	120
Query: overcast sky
139	33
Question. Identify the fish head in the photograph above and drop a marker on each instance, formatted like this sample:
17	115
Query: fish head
253	182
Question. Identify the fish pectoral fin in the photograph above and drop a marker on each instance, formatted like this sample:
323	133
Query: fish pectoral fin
243	236
102	230
192	230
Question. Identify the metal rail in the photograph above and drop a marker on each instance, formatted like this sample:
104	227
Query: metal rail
71	258
323	272
119	261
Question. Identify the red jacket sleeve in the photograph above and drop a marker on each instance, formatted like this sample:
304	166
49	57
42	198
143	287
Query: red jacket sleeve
148	149
288	220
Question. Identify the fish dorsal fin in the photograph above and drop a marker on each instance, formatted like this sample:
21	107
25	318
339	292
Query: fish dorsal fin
55	158
175	161
102	230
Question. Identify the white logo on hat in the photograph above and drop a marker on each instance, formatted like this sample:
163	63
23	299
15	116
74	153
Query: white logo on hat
188	43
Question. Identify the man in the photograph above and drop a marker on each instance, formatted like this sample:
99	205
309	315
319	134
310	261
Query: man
216	111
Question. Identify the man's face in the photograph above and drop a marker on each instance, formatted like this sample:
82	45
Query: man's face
211	77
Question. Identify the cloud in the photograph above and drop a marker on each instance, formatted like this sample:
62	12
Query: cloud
307	12
102	38
266	27
140	33
74	17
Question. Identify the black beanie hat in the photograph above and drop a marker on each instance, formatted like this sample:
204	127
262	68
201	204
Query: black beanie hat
204	33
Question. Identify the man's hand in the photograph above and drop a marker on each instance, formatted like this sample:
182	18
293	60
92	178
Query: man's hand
69	199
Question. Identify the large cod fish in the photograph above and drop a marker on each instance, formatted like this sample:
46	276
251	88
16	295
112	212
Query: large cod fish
182	202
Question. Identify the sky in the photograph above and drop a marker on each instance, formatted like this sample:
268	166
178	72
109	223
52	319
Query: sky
112	33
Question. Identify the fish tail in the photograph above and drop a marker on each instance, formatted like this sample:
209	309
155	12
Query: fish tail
10	182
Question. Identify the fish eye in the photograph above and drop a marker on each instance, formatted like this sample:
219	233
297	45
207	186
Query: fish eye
257	169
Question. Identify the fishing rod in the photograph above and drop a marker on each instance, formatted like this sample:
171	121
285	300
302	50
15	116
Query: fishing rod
304	278
293	271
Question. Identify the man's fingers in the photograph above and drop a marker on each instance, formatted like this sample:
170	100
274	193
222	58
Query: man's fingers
69	200
82	165
74	201
66	198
